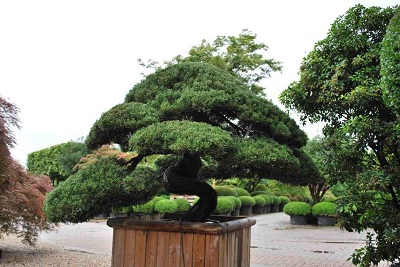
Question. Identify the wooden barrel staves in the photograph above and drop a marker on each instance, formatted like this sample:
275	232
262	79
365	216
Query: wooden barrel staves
224	241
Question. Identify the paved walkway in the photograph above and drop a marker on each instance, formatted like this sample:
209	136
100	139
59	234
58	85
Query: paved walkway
274	243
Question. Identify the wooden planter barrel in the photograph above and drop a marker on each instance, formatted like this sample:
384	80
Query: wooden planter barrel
171	243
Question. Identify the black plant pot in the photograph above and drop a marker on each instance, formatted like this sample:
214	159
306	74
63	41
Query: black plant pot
257	209
299	220
326	220
235	212
281	206
267	209
246	210
275	208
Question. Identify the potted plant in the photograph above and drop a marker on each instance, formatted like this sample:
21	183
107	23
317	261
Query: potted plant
259	204
176	129
268	202
241	191
275	204
326	213
238	204
224	206
166	206
247	205
183	205
144	211
298	211
284	201
225	191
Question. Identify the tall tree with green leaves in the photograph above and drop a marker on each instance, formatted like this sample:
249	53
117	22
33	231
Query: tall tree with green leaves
57	161
390	61
341	84
202	122
240	55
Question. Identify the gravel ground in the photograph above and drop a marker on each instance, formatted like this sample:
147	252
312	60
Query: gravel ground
15	253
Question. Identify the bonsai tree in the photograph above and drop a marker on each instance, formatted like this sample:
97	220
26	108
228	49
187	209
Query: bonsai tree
202	122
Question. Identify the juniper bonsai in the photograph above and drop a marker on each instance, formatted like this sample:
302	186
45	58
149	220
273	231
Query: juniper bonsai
203	123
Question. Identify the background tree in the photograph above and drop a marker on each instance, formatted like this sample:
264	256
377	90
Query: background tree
242	56
203	123
21	193
390	61
340	84
57	161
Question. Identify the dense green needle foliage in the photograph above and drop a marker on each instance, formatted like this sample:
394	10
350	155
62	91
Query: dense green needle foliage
188	110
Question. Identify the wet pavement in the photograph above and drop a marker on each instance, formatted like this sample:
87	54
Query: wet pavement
274	242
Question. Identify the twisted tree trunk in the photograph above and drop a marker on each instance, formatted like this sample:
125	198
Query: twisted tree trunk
183	179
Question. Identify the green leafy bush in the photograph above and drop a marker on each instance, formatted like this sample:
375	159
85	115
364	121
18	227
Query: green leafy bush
284	200
236	201
259	200
225	191
247	201
166	206
241	191
324	209
183	204
224	205
147	207
276	200
268	199
297	208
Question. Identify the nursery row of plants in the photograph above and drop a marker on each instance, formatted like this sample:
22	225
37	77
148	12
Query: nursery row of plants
232	201
322	213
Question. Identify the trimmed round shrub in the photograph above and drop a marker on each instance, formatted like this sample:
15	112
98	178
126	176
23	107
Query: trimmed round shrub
297	208
247	201
256	193
260	201
236	200
224	205
324	209
158	198
147	207
260	187
276	200
225	191
284	200
183	204
166	206
241	191
268	199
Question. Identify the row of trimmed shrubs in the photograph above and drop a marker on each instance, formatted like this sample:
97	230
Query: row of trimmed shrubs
299	208
231	201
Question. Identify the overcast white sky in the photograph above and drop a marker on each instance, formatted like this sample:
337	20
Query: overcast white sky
63	63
